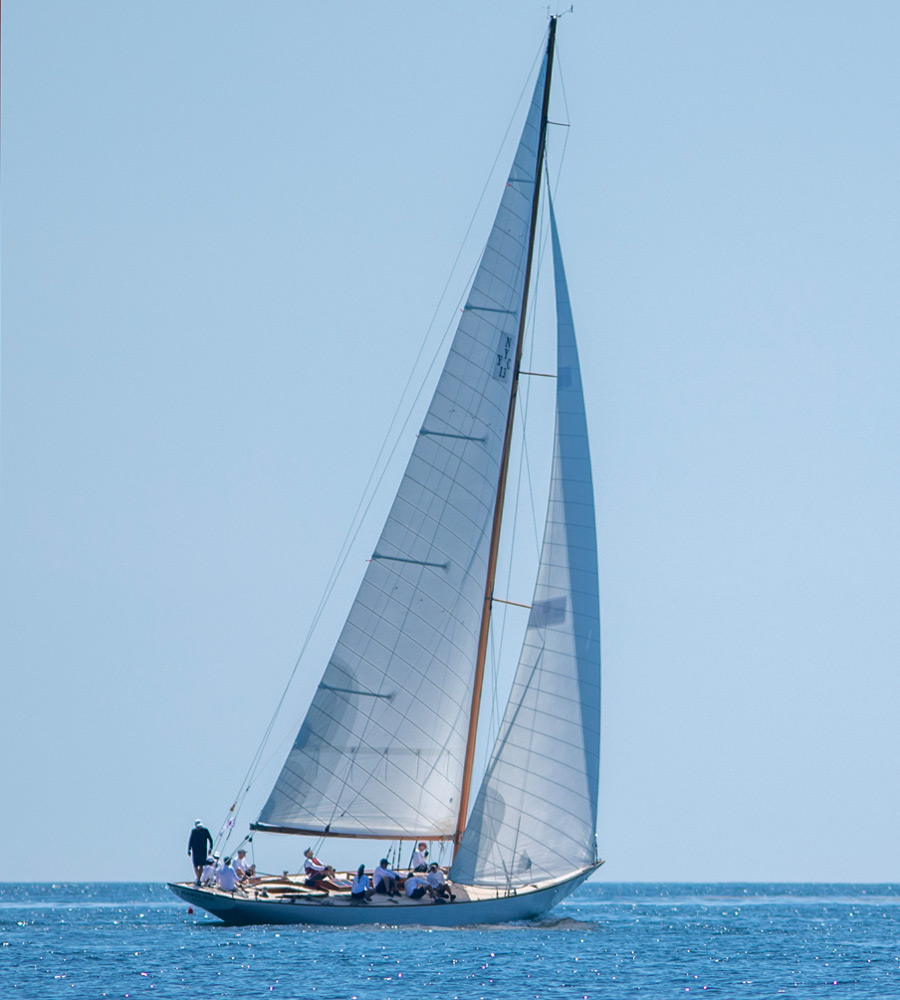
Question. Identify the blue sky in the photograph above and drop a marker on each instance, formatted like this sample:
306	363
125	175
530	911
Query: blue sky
226	229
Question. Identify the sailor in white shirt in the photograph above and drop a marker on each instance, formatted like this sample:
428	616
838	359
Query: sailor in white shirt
416	887
240	863
385	879
419	861
208	875
226	877
438	886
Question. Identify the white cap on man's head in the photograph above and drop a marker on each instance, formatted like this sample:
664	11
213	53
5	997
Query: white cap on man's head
197	822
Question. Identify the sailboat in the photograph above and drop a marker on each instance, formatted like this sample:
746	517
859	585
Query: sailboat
387	748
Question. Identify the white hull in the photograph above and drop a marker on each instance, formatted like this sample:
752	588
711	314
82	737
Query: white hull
338	911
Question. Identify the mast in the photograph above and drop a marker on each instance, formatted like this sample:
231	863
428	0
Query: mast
504	468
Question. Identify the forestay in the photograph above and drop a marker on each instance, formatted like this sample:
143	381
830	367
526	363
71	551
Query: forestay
536	811
380	752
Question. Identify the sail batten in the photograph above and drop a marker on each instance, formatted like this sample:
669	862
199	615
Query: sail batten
381	749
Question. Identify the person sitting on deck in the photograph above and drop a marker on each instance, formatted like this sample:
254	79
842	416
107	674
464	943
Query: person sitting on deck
416	887
361	889
419	861
385	879
242	866
435	879
226	877
208	875
315	870
319	876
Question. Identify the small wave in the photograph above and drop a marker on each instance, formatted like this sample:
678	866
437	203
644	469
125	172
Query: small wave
562	924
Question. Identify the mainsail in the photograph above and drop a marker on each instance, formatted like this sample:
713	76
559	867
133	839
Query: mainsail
536	811
380	752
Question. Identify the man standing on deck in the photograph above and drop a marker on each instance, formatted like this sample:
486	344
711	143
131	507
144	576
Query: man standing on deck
198	842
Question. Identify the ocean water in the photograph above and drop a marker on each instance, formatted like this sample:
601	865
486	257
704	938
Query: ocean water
607	941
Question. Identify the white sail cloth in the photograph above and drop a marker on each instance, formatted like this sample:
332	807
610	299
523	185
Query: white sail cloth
380	752
536	811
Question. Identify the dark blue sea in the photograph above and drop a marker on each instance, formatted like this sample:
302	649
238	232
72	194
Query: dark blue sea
607	941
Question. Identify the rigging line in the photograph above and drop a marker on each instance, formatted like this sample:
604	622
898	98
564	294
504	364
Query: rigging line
524	466
494	675
497	653
499	630
542	256
461	299
524	470
542	253
358	519
562	155
515	845
513	118
499	633
494	720
364	504
497	637
524	463
560	66
494	548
